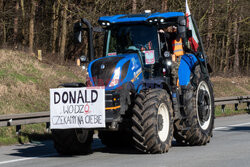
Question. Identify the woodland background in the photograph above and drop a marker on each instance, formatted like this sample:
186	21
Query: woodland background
30	25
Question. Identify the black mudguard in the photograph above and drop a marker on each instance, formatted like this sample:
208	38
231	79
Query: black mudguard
72	85
158	82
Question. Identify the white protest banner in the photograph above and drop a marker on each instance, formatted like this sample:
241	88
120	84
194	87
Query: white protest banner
77	107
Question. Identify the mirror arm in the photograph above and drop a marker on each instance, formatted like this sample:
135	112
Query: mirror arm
90	38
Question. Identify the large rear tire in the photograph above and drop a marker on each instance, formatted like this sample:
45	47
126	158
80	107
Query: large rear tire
152	121
196	125
72	141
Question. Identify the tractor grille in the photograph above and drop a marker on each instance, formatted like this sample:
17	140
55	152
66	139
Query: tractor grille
100	76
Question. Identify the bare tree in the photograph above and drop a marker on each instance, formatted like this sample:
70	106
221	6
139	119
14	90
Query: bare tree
236	39
1	19
134	6
16	23
4	34
31	26
64	29
23	22
210	23
164	5
229	35
54	25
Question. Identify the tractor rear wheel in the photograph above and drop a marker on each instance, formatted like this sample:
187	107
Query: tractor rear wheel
72	141
196	125
152	121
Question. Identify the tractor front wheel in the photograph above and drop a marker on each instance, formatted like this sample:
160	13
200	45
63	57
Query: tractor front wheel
152	121
72	141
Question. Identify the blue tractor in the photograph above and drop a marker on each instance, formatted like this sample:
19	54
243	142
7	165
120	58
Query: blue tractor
150	98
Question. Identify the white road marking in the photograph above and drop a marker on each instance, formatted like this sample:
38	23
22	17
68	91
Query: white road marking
24	159
228	126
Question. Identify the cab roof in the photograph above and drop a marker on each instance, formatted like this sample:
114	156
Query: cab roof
138	17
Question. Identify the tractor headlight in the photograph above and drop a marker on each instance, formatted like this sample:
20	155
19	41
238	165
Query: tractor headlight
116	77
169	63
104	23
156	20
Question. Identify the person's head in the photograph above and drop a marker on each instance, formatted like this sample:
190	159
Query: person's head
170	29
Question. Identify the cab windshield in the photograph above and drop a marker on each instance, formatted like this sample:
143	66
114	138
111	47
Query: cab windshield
142	39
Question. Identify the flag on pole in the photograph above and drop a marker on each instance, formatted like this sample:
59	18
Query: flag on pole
193	40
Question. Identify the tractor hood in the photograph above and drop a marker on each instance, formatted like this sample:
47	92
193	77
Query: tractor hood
113	71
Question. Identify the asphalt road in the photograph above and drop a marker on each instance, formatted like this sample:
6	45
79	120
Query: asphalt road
230	146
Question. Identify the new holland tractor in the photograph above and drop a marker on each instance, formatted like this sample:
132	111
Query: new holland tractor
145	102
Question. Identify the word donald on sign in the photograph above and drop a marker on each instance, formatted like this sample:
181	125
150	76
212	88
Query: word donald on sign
77	108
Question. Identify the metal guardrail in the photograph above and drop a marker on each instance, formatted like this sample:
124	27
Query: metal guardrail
236	100
24	119
43	117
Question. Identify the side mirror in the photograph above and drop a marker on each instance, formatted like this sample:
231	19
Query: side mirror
83	59
182	27
167	55
78	32
181	21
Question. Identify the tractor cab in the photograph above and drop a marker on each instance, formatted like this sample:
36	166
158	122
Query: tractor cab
134	48
141	34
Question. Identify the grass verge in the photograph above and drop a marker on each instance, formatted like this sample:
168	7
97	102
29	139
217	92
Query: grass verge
24	87
229	110
28	133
